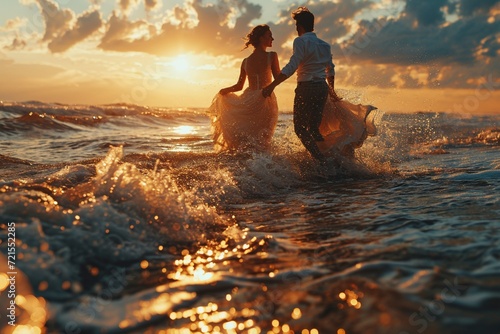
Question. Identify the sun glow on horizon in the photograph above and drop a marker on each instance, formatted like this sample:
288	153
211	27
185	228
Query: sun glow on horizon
185	130
181	63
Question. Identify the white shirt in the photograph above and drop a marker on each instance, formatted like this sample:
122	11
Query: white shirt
312	59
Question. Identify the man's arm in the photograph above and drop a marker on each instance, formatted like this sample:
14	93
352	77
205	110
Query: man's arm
268	90
289	69
330	78
331	88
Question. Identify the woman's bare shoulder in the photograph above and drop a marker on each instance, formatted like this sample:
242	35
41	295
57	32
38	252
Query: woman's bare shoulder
244	61
273	54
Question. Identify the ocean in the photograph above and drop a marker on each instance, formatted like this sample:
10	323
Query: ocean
122	219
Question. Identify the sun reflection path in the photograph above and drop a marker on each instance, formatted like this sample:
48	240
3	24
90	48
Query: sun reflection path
182	131
203	268
185	130
227	308
208	261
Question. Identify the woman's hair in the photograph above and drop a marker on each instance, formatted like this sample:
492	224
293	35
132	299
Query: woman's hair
304	18
253	38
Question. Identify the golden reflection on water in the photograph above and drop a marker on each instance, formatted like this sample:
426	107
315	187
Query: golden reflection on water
225	286
185	130
30	311
231	312
351	298
182	130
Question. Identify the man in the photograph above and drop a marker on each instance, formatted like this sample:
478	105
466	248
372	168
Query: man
312	59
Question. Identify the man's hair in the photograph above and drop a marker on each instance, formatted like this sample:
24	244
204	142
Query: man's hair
304	18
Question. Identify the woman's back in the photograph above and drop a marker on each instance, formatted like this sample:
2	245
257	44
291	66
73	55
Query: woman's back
258	69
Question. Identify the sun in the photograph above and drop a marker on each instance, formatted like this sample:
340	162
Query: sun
180	63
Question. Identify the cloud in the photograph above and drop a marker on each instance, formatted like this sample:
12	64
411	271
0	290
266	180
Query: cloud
152	4
405	50
63	29
13	24
421	37
423	43
119	33
127	5
426	12
216	28
219	28
17	44
195	27
86	24
335	20
57	21
469	7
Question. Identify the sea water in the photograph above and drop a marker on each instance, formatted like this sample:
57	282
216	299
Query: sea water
122	219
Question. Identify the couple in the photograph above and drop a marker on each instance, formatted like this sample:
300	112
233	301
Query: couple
324	123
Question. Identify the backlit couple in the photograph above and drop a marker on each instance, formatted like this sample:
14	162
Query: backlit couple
324	123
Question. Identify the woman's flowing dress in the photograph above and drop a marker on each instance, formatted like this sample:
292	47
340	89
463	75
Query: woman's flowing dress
345	127
245	121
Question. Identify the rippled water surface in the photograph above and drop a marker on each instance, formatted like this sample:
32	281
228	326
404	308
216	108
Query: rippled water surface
126	221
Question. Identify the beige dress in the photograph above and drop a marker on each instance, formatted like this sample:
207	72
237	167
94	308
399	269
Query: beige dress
345	126
245	121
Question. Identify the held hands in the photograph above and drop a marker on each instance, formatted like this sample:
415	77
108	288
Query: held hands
334	95
267	91
331	89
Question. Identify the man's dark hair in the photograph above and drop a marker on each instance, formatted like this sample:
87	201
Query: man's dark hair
304	18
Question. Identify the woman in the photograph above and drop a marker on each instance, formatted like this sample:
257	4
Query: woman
248	121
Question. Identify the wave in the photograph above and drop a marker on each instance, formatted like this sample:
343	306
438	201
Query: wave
21	118
78	218
403	137
396	129
150	237
92	228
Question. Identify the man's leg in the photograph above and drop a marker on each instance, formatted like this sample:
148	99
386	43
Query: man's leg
307	113
317	103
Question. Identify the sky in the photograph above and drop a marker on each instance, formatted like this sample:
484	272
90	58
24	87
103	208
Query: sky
399	55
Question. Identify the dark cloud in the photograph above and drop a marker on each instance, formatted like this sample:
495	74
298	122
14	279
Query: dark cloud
62	30
57	20
401	41
426	12
151	4
469	7
86	24
420	36
333	20
118	31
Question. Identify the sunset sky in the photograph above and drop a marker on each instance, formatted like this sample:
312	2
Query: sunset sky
400	55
